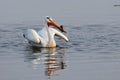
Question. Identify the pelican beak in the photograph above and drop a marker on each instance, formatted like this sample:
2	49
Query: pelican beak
51	22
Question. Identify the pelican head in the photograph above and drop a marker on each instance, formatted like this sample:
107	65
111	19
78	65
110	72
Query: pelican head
51	22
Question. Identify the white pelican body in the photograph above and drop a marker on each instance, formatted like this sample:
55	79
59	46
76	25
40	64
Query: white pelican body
44	37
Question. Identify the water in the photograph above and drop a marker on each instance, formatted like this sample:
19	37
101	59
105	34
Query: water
93	52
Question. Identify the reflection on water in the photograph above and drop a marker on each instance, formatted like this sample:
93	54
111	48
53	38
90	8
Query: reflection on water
54	62
52	58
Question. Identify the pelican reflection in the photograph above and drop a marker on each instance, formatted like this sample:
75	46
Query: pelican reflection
52	58
54	61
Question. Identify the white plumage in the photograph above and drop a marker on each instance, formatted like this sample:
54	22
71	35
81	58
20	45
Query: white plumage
45	37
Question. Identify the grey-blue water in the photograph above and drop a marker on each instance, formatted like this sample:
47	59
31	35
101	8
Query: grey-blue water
93	52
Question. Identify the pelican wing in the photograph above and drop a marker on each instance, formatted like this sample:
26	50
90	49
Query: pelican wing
59	34
43	33
32	36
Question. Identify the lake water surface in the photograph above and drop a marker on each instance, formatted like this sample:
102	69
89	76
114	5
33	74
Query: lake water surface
93	52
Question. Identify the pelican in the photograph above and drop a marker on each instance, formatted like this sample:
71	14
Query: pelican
45	36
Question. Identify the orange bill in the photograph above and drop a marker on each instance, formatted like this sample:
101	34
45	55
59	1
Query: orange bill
51	22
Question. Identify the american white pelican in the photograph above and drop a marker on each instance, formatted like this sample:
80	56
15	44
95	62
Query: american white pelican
45	37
